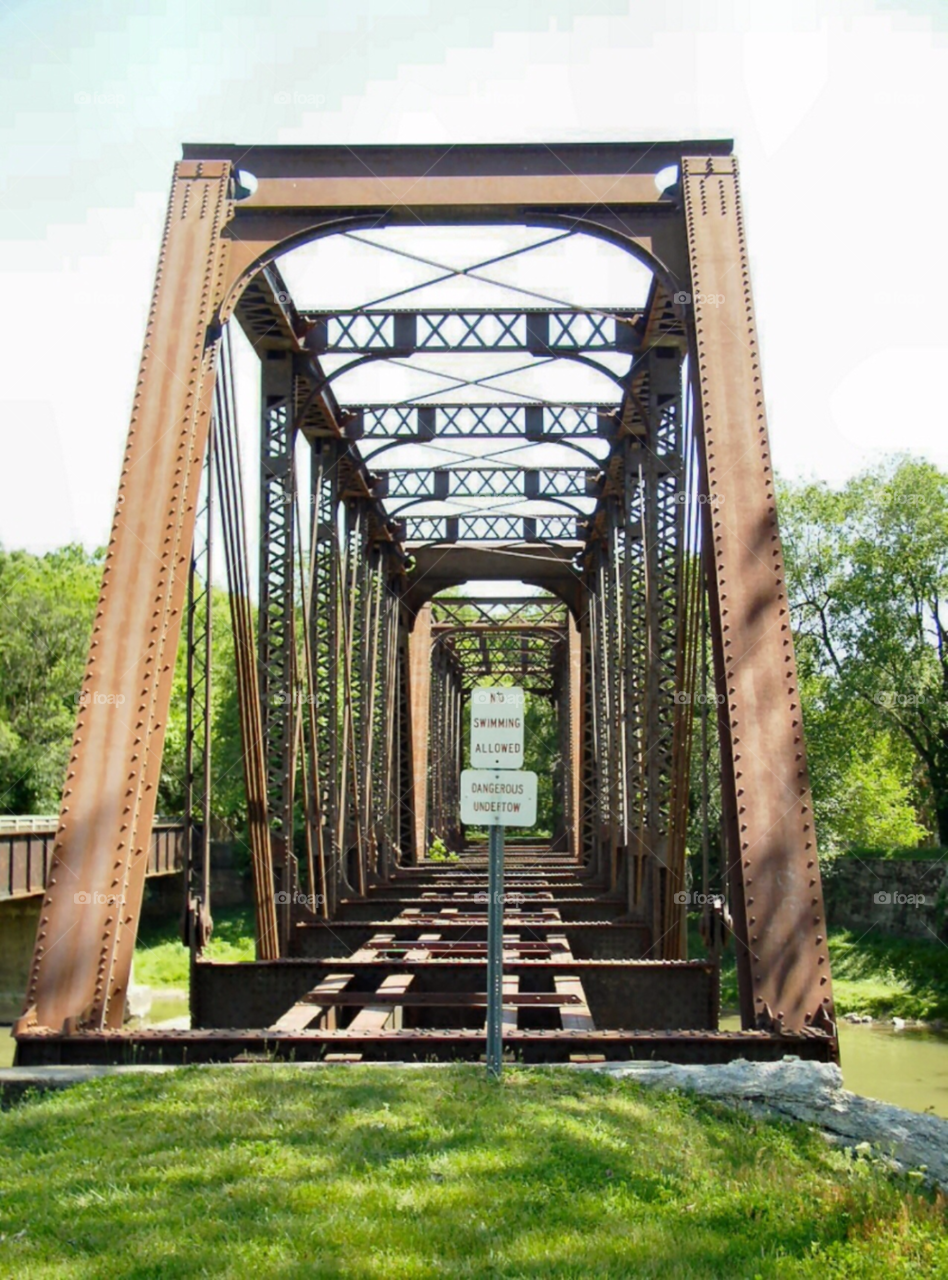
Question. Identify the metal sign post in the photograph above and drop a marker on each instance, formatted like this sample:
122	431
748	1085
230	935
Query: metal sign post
495	950
498	795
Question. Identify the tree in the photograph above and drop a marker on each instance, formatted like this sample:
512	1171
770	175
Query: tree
47	605
867	571
227	779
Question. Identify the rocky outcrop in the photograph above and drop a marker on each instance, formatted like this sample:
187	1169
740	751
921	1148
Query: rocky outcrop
811	1092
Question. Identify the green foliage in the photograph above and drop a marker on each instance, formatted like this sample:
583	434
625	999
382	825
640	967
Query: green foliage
867	568
438	852
863	773
541	755
162	960
47	605
375	1173
889	977
227	779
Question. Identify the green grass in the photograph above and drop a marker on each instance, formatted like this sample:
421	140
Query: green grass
874	974
900	977
161	959
379	1172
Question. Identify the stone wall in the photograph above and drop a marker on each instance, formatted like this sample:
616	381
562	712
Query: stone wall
906	898
18	920
230	887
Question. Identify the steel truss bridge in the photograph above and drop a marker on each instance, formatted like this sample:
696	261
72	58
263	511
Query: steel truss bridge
652	629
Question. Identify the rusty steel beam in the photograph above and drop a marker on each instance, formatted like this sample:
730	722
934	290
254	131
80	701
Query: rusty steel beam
84	949
777	899
419	707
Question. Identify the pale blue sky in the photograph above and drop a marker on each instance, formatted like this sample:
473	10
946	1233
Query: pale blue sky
837	110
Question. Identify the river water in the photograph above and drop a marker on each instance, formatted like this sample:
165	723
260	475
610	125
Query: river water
908	1068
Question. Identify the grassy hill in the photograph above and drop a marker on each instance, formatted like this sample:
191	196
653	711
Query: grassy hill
372	1172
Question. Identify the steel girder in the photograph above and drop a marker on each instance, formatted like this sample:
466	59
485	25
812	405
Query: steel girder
530	483
447	704
324	648
528	655
509	610
419	719
776	896
531	422
277	608
86	934
539	332
491	528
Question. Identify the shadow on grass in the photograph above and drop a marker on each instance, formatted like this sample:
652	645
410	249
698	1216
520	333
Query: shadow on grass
368	1172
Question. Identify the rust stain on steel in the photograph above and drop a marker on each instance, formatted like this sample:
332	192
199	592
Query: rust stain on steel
772	844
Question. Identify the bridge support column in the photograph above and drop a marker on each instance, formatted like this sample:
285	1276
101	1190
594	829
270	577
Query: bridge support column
276	610
87	926
776	896
419	704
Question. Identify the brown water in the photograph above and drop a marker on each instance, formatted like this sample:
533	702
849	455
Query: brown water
908	1068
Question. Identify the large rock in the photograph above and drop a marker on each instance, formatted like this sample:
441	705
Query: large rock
813	1093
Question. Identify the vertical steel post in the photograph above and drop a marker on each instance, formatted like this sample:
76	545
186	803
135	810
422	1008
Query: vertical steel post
495	953
776	896
277	633
83	954
198	717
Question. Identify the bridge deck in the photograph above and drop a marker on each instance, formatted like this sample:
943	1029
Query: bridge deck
402	976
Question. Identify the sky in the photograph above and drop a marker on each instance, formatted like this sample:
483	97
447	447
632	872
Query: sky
833	107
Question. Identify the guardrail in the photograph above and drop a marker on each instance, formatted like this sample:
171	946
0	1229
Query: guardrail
26	849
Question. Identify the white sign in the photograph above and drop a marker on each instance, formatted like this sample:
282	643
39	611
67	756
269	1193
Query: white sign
496	729
498	797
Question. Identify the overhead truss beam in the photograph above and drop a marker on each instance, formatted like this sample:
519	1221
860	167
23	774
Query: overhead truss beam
486	482
538	332
533	422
